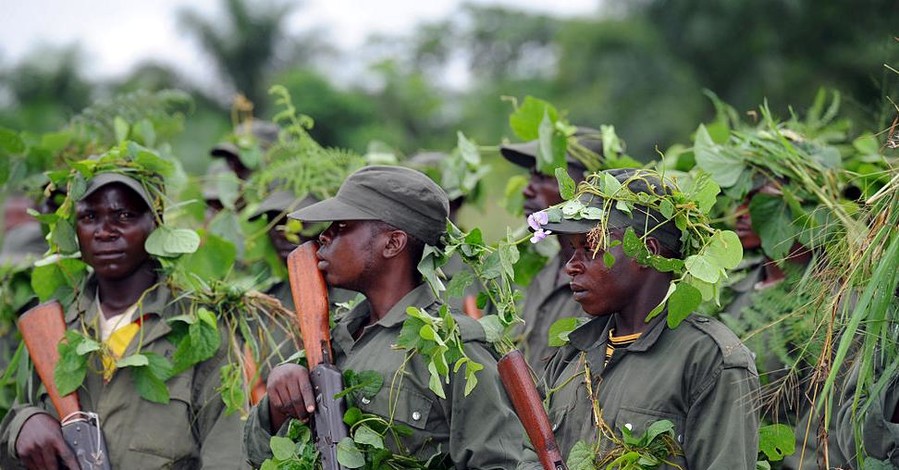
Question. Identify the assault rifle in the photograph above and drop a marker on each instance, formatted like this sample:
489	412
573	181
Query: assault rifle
43	328
310	296
516	378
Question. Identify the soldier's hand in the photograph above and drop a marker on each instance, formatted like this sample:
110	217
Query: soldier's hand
40	445
290	394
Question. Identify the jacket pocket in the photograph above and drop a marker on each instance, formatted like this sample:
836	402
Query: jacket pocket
166	430
410	407
638	420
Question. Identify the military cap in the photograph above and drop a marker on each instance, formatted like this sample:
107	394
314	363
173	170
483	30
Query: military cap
525	154
642	219
402	197
105	179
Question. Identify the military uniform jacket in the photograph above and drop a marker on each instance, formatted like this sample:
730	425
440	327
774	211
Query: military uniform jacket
479	431
546	300
190	432
879	435
698	376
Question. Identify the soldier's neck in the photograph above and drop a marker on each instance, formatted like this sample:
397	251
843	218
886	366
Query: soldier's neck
391	287
117	295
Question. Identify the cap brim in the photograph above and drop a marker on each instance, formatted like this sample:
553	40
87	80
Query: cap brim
330	210
225	149
616	219
523	154
105	179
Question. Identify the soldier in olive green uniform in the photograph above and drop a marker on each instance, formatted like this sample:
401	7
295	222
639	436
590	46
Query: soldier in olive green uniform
879	430
698	375
548	297
384	217
126	296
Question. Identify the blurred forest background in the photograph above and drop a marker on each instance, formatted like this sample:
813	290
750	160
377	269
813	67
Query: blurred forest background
640	65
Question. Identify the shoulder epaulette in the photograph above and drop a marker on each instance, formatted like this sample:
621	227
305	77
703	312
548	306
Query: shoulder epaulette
734	353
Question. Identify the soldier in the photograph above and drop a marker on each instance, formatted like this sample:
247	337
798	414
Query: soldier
242	154
125	305
382	219
879	429
625	373
548	297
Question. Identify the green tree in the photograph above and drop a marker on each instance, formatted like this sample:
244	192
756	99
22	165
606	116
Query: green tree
244	43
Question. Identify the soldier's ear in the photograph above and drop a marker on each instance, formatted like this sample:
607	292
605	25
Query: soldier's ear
653	245
396	243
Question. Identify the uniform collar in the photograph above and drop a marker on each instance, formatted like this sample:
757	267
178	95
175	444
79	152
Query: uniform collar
151	308
596	332
421	296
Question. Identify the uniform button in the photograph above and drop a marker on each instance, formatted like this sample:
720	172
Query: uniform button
629	426
702	319
680	438
416	415
366	400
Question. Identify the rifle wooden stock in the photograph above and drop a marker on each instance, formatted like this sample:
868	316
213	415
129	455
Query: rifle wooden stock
516	378
43	327
310	298
251	376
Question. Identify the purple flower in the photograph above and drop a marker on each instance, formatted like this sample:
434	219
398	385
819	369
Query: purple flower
538	219
540	234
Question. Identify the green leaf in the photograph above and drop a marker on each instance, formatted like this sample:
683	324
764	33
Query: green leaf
48	280
149	386
566	183
525	120
282	448
71	369
170	242
181	240
560	329
581	457
468	150
461	280
725	248
87	346
658	428
773	222
134	360
121	128
434	381
352	416
551	149
701	267
492	267
776	441
365	436
348	454
875	464
471	379
703	190
214	259
513	201
683	301
493	327
724	168
427	333
64	236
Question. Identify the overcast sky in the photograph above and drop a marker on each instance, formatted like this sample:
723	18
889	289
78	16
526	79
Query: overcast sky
116	34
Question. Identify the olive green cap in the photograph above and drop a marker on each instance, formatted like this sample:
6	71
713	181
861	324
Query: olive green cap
642	219
402	197
105	179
